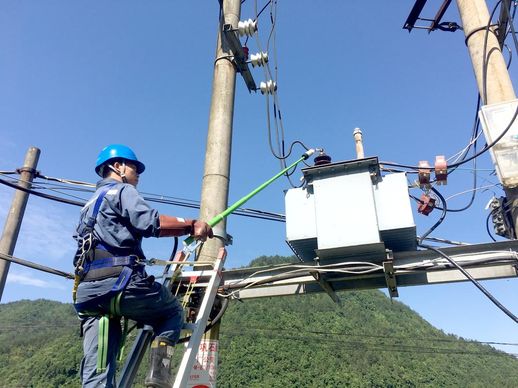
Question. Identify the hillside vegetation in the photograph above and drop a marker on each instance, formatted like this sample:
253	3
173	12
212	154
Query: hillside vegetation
296	341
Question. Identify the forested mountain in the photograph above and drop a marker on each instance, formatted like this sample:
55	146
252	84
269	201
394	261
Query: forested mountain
296	341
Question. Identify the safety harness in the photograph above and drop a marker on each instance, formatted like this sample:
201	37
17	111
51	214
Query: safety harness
94	261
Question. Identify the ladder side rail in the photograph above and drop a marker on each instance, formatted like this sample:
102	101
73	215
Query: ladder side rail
135	356
201	322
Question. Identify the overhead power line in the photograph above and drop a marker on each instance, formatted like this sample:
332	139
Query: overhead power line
363	335
372	347
156	198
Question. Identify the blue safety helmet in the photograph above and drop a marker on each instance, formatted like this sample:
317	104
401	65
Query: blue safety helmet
117	151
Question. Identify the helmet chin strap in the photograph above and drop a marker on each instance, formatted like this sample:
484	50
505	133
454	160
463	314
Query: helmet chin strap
122	173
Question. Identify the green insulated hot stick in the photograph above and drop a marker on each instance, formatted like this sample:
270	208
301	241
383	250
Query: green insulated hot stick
218	218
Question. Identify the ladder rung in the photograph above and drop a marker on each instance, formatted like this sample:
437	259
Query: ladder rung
189	326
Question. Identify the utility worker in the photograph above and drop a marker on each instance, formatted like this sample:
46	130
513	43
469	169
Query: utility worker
110	278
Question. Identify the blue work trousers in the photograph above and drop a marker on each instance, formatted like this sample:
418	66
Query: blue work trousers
144	301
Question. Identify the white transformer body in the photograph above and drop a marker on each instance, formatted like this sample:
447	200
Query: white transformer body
347	211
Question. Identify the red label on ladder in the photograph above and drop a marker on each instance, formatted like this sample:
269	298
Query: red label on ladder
203	373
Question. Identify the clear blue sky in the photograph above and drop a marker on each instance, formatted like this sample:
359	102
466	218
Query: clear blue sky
76	76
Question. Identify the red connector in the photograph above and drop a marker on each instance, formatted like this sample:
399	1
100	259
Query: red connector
426	204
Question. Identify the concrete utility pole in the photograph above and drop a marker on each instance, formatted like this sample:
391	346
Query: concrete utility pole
497	86
216	178
14	218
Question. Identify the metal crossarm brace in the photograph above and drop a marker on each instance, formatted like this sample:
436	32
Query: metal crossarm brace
239	56
326	286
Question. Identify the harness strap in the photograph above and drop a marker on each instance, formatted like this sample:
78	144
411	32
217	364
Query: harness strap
102	344
107	267
89	227
104	321
93	218
112	262
123	339
91	307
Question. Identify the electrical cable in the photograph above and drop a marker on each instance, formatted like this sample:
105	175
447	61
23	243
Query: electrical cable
278	151
38	194
484	94
441	219
245	212
486	55
475	133
511	26
508	65
487	225
362	335
370	347
476	155
215	320
67	181
474	281
475	189
171	256
442	240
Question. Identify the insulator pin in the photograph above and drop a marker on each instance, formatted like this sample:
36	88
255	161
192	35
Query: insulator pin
247	27
268	87
259	59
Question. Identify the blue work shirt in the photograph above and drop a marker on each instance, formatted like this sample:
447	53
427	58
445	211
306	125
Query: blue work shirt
124	218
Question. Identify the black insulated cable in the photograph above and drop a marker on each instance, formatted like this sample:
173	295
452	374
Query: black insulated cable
474	281
38	194
221	311
441	219
487	224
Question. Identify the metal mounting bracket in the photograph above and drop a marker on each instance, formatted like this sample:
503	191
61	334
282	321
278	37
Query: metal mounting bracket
390	275
326	286
240	57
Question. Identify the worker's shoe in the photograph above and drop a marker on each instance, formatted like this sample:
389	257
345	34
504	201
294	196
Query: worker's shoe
159	375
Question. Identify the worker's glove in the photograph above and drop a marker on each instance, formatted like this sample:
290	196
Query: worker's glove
175	226
201	230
